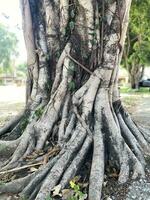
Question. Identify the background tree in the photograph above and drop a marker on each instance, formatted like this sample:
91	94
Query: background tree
8	46
73	108
21	69
137	48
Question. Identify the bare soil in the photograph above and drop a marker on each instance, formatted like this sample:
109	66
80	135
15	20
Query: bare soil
12	101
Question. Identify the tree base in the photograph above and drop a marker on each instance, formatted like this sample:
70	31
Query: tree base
71	109
59	163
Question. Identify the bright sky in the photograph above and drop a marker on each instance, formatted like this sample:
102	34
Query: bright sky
10	15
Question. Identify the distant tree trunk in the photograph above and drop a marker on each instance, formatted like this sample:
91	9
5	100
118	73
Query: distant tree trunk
135	69
73	105
136	73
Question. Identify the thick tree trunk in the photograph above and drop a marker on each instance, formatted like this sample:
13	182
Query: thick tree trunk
73	105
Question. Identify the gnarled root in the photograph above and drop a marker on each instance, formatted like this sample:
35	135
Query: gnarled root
116	140
11	124
16	186
8	147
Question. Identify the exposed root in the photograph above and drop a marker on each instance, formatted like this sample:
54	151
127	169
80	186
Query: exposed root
35	192
117	154
134	129
16	186
8	147
62	168
27	191
50	116
58	169
137	168
97	168
114	143
63	123
70	127
22	147
76	163
11	124
130	140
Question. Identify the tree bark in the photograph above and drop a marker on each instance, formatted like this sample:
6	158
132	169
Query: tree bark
135	73
73	106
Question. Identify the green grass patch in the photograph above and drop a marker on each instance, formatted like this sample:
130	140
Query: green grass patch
134	91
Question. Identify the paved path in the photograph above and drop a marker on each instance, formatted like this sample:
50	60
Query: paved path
12	93
139	190
142	111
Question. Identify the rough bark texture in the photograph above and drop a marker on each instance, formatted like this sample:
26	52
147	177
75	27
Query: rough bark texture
72	103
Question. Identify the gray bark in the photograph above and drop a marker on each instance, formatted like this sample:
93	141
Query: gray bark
74	51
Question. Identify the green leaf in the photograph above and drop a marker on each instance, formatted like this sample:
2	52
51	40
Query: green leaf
8	46
72	184
71	85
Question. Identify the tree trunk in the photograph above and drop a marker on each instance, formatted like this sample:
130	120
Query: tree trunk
74	50
134	81
136	73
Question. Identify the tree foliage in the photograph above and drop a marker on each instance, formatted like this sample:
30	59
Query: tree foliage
21	69
137	48
8	44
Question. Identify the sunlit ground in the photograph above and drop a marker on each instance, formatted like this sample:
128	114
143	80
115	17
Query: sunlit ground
12	100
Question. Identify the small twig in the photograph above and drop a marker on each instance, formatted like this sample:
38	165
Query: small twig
52	152
20	168
82	66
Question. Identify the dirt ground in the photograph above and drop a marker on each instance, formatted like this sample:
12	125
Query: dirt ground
12	100
139	107
142	111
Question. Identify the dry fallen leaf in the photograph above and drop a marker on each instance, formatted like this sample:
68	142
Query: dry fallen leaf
56	191
33	169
